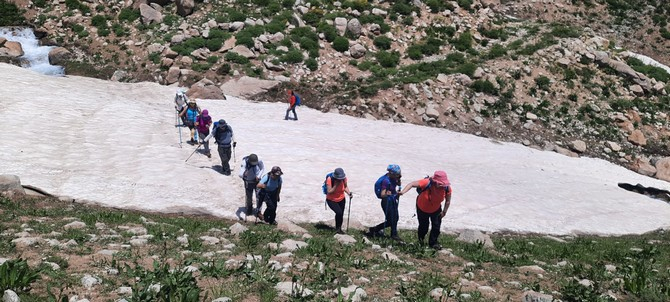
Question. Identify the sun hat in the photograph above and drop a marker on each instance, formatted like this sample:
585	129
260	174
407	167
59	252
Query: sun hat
394	169
252	159
205	113
276	171
191	101
222	123
339	173
440	177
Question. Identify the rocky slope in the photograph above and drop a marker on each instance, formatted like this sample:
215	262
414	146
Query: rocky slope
559	75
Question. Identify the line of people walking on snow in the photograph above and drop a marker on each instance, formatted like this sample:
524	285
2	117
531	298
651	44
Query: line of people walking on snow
431	191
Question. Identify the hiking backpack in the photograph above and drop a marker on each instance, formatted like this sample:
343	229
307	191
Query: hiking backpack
324	187
297	99
378	185
430	182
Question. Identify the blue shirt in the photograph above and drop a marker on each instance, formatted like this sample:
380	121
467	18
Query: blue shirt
272	184
390	184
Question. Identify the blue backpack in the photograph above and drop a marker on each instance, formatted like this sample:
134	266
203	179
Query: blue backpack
378	185
324	187
297	99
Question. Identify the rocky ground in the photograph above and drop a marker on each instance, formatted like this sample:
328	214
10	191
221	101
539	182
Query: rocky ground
554	74
58	250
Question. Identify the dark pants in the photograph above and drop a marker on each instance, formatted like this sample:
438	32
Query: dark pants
390	208
224	153
250	190
435	222
338	208
292	109
201	136
270	199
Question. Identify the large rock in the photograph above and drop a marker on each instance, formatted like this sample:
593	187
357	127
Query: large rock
247	87
474	236
206	89
341	25
357	51
11	49
644	167
59	55
291	289
637	138
173	75
354	28
531	296
10	185
10	296
578	146
150	15
663	169
243	51
185	7
290	245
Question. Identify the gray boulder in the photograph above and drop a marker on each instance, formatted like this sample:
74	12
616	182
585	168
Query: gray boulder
206	89
357	51
354	27
474	236
10	185
185	7
150	15
59	55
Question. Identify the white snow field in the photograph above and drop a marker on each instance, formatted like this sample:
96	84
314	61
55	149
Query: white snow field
115	144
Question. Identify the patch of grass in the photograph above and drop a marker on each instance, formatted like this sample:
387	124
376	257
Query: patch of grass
11	14
16	275
341	44
651	71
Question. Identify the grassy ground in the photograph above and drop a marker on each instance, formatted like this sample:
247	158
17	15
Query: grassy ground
247	267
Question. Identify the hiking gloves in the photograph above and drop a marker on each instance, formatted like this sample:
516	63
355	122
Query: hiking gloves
234	144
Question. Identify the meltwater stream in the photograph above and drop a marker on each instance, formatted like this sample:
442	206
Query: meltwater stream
37	56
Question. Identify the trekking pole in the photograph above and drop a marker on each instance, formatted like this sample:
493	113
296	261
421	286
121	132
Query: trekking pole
196	149
351	197
234	156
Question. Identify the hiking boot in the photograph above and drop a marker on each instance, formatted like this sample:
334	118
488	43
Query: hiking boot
397	238
209	155
436	246
339	231
273	222
260	216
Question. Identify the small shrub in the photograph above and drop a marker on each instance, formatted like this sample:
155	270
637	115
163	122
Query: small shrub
11	15
128	15
543	83
341	44
236	16
466	4
293	56
224	69
564	31
235	58
388	59
329	31
402	7
464	41
40	3
414	52
484	86
311	64
496	52
312	17
382	42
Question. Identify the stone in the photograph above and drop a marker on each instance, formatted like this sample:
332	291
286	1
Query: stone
10	296
150	15
290	245
532	296
270	66
185	7
107	252
173	75
637	90
124	290
206	89
223	299
391	257
75	225
637	138
614	146
531	116
246	87
243	51
10	185
479	73
345	239
564	151
439	294
354	28
578	146
209	240
293	289
89	281
237	229
530	269
59	55
26	241
353	292
235	26
644	167
663	169
475	236
357	51
119	76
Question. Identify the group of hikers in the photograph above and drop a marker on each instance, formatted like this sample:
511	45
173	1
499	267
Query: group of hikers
266	187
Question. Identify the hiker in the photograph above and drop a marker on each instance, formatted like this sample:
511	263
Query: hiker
180	100
269	189
251	171
292	103
190	113
336	187
202	124
386	190
223	135
432	190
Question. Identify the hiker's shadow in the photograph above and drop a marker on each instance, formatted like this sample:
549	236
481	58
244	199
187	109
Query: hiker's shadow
240	213
323	226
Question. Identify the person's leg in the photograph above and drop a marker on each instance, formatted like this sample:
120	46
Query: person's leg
338	208
261	196
435	223
224	163
295	115
392	217
222	156
250	190
202	136
271	210
287	111
423	219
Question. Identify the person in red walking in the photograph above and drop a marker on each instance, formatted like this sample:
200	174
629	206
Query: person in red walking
336	188
293	101
432	191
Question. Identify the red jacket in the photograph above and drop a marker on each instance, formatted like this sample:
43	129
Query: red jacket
291	100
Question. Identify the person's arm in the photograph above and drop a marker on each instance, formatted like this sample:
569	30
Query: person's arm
210	135
413	184
279	188
330	186
291	101
447	203
261	169
346	188
385	188
183	111
261	184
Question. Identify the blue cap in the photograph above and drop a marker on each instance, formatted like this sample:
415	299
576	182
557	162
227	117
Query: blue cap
393	168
